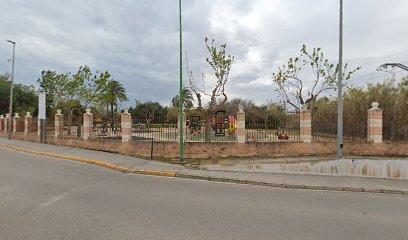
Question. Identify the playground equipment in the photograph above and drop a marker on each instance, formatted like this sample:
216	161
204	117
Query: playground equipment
232	124
281	135
195	123
220	122
250	139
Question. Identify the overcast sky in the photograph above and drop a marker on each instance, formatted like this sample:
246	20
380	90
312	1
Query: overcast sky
137	40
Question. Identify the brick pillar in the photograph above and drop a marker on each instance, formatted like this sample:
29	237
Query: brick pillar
88	124
241	124
306	126
1	122
27	122
375	124
7	122
15	122
59	123
178	127
126	126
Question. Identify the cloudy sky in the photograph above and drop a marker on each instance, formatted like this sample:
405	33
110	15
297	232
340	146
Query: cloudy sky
137	40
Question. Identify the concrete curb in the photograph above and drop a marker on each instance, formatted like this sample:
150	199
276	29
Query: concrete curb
95	162
293	186
209	178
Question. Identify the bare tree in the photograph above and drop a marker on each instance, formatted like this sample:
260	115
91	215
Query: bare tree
292	86
220	63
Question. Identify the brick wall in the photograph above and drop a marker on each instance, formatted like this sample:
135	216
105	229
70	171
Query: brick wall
202	150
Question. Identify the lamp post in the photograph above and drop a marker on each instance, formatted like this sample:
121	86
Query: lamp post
340	89
181	92
11	89
392	65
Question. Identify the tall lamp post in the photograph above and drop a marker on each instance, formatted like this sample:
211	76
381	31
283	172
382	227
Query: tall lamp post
340	89
181	92
11	89
392	65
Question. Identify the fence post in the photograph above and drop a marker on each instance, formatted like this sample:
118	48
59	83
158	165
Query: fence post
306	126
1	122
15	122
27	122
241	124
59	123
88	124
7	122
183	125
126	126
375	124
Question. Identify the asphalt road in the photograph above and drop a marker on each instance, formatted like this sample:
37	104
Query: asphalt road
46	198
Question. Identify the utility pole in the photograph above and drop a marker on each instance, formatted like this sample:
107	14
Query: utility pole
181	92
340	89
11	90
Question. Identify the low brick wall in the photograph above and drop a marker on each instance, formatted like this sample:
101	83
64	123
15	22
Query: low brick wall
197	150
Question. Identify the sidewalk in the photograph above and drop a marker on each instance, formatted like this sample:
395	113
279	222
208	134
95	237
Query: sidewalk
337	183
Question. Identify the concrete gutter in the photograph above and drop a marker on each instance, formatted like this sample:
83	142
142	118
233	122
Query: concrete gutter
208	178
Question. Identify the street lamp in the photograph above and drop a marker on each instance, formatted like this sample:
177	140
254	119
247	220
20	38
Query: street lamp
340	89
392	65
181	92
11	88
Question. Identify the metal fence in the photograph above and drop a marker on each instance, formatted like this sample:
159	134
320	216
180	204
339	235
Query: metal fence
395	126
106	129
157	128
72	128
283	127
33	127
324	127
50	126
222	128
20	124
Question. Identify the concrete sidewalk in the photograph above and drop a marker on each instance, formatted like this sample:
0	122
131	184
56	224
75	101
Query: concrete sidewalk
337	183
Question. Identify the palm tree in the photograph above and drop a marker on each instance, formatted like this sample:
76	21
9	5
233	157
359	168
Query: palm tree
115	94
187	99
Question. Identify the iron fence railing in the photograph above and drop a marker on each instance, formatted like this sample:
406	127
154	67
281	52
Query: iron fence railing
106	129
20	124
222	128
72	128
395	131
157	128
284	127
324	127
33	126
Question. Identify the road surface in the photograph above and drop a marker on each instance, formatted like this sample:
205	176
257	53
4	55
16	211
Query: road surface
46	198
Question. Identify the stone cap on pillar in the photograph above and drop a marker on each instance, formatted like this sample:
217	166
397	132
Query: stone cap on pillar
28	114
305	110
88	111
2	116
7	115
59	112
375	107
126	111
16	115
240	108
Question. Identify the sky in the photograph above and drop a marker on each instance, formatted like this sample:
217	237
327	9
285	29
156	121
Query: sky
137	41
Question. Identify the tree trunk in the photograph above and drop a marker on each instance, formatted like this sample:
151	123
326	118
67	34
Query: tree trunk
69	119
208	127
113	117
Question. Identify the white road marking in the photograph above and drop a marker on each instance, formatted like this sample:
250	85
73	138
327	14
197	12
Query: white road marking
56	198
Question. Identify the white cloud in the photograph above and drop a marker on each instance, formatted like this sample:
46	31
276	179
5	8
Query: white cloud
137	41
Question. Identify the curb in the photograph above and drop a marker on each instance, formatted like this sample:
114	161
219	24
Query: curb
209	178
293	186
94	162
